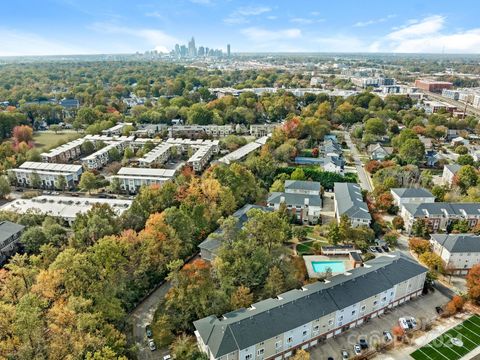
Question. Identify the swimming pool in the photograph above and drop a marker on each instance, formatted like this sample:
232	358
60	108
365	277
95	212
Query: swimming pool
322	266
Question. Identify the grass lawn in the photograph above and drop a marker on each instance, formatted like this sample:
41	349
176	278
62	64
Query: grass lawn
48	140
442	348
306	248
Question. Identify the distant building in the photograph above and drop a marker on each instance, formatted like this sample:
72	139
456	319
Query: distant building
432	107
301	198
63	207
378	151
9	239
451	94
432	85
132	179
48	174
244	151
349	202
228	50
449	172
459	251
116	130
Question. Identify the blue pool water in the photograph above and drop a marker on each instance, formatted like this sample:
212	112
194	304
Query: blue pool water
322	266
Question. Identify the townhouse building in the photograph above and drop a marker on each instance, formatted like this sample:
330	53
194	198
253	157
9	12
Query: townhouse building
458	251
402	196
132	179
242	152
200	159
440	215
349	201
48	174
116	130
301	198
379	152
157	156
9	239
260	130
301	318
100	158
64	153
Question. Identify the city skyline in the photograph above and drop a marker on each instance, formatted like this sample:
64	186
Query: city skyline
63	27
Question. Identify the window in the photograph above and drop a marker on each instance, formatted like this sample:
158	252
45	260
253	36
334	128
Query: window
363	308
384	299
341	318
248	356
289	340
315	328
330	322
260	351
353	312
304	333
375	302
278	345
261	343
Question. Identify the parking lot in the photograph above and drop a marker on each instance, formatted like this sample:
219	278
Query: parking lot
422	308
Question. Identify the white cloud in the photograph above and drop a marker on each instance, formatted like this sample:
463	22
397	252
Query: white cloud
201	2
271	17
242	14
18	43
260	34
157	39
428	36
305	21
373	21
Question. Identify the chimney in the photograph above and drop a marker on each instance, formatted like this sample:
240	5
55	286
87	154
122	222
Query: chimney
282	199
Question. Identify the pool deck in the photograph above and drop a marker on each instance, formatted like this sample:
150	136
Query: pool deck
313	258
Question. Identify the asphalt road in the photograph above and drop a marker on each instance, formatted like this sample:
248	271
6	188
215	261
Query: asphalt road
363	177
141	317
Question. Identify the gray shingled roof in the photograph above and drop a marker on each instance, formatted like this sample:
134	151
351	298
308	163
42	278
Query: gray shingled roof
350	201
412	192
439	208
302	185
453	168
294	199
245	327
458	243
7	229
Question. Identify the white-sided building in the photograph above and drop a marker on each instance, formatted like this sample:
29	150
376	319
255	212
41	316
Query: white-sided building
301	318
402	196
302	199
158	156
449	172
64	207
49	174
64	153
131	179
349	202
458	251
100	158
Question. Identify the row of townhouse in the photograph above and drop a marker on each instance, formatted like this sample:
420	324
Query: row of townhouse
458	251
131	179
302	199
116	130
64	153
100	158
242	152
9	239
440	215
301	318
349	202
48	175
200	159
218	131
157	156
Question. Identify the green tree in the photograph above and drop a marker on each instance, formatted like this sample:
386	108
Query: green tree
88	181
199	114
466	178
297	174
433	261
35	180
241	298
115	186
412	151
465	160
32	239
61	183
5	188
420	228
376	126
87	147
275	283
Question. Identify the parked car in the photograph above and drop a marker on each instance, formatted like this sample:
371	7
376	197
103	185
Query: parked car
413	321
439	309
379	249
387	336
345	355
151	345
167	357
403	323
385	248
357	349
372	249
148	331
363	343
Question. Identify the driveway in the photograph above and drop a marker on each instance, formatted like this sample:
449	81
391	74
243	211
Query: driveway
141	317
422	308
363	177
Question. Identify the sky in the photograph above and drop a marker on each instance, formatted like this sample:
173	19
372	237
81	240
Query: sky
63	27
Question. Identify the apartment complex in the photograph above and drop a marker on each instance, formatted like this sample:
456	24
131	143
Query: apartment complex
116	130
301	198
242	152
47	174
64	153
349	202
132	179
440	215
101	157
432	85
9	237
200	131
301	318
157	156
402	196
459	251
